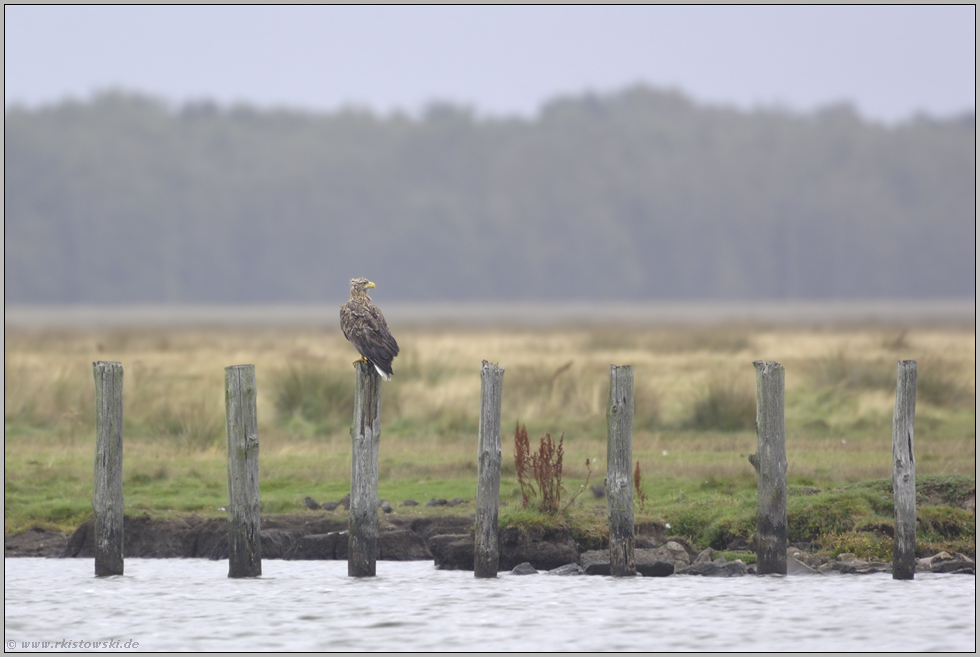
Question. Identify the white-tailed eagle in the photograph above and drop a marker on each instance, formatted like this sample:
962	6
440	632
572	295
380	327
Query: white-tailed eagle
364	325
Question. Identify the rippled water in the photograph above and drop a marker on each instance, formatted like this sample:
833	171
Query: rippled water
172	604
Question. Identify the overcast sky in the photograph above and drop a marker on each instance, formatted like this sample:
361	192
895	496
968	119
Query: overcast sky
890	62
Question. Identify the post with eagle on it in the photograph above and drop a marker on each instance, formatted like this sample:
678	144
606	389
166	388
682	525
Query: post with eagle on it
365	327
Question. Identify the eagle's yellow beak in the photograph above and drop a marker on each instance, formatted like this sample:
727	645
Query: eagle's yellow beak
370	285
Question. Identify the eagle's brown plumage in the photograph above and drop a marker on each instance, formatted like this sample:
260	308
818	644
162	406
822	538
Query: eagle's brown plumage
364	325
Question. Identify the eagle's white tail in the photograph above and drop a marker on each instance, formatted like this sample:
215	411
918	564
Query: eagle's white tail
386	377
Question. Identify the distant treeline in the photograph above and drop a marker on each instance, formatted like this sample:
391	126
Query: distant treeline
641	194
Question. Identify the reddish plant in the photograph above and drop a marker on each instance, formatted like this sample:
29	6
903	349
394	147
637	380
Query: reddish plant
523	464
638	485
547	472
545	466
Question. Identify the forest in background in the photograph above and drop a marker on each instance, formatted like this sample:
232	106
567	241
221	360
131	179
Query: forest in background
637	195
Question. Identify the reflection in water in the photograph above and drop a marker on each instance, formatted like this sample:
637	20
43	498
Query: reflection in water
172	604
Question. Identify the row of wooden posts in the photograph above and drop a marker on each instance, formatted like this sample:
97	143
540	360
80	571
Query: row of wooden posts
244	542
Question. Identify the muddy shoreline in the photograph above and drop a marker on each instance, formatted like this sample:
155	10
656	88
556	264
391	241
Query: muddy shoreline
445	540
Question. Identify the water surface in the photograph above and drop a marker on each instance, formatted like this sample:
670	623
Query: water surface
190	604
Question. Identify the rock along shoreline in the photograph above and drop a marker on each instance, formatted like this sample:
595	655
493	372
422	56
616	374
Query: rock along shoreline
446	540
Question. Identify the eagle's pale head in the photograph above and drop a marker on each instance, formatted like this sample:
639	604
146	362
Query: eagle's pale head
360	286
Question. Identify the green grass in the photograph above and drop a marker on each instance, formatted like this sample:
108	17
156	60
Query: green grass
693	424
311	399
718	511
722	406
857	518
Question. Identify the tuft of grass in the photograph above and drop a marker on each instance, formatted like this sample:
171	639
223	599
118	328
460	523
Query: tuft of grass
833	512
711	340
944	490
193	426
566	392
722	406
856	518
936	381
712	520
728	485
65	399
937	385
747	558
646	408
930	491
591	530
843	371
943	522
896	342
530	518
322	399
864	545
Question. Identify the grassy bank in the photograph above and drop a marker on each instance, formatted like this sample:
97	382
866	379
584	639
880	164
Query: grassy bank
693	428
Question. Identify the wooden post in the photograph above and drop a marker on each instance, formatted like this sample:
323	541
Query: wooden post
362	545
107	502
241	421
903	471
486	559
769	462
619	480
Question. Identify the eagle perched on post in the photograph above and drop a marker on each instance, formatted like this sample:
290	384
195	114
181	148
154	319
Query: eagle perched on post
364	325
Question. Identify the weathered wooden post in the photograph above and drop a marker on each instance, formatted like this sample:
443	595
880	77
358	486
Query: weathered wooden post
619	461
903	471
362	542
107	502
241	421
769	462
486	557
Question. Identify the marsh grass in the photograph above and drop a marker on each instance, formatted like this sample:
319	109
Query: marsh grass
721	340
555	381
869	546
312	398
939	382
37	398
856	518
850	373
194	425
722	405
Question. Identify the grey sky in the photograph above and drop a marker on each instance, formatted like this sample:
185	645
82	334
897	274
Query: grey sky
890	62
